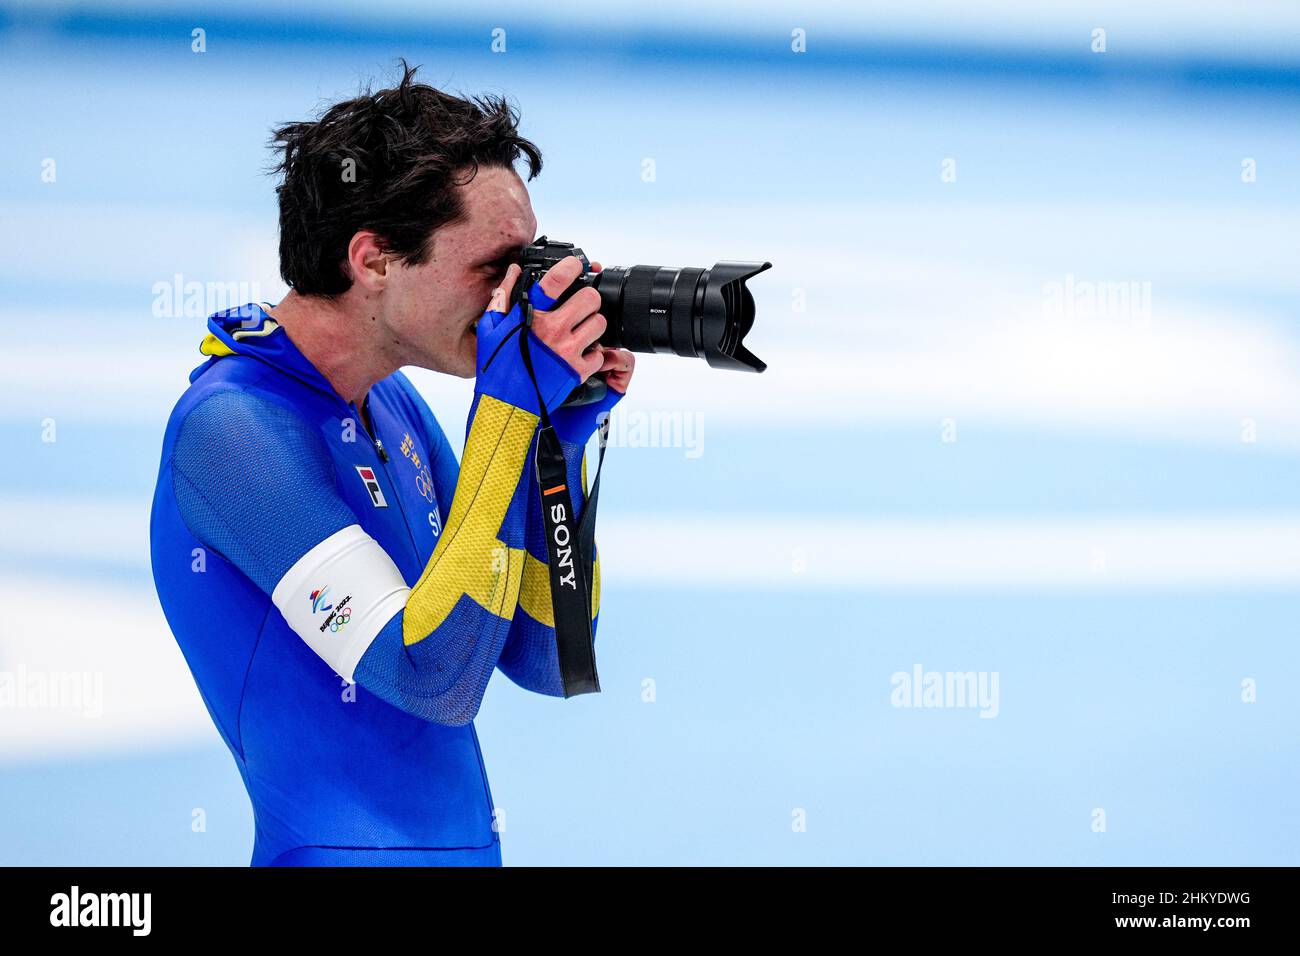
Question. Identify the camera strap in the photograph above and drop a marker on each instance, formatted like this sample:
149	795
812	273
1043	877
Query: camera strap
570	544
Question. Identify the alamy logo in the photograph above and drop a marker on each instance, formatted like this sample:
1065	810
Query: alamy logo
102	909
946	690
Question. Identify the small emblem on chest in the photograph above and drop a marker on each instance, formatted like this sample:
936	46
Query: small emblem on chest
423	480
371	482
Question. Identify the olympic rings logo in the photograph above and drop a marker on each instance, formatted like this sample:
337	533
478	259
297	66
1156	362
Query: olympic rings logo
424	484
342	617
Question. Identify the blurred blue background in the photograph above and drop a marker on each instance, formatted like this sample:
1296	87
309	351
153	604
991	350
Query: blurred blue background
1033	411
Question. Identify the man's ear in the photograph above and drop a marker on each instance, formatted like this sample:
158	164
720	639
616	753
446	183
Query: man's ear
367	261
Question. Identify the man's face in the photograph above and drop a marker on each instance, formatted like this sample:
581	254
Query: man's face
429	309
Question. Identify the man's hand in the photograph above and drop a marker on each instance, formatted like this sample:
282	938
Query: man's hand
573	330
618	367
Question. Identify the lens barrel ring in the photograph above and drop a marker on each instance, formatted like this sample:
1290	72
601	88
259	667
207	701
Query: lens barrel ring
681	320
637	333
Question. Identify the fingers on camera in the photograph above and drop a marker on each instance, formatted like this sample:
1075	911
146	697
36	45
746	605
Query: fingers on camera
618	361
591	328
588	363
585	303
561	275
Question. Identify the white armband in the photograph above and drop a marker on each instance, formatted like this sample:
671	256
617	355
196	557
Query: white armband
339	595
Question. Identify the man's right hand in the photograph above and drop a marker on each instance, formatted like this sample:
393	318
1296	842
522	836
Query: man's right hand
571	331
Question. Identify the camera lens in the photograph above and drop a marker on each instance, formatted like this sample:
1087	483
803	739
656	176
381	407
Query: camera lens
694	313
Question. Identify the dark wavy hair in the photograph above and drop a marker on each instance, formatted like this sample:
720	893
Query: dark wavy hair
409	147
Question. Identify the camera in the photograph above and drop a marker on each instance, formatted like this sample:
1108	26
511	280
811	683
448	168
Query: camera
694	313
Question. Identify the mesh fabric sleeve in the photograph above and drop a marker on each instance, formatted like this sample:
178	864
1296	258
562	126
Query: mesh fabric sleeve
529	657
256	483
240	463
460	610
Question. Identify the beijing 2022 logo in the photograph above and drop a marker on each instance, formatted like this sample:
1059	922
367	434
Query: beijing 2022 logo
338	615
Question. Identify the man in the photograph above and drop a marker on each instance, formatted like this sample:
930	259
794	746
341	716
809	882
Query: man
310	522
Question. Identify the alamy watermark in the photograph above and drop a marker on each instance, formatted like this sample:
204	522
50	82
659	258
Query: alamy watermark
946	690
177	298
52	690
131	911
1097	299
658	429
